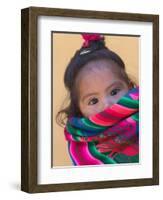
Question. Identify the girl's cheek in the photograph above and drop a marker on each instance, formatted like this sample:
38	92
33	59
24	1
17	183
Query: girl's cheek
88	111
94	110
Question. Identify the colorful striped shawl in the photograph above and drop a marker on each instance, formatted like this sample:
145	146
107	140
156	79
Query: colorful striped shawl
109	137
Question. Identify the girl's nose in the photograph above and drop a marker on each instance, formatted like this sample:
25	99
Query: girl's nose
107	103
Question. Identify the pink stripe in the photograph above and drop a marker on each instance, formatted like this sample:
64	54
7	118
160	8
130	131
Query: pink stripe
121	109
110	112
130	120
68	136
101	122
116	110
131	150
103	118
114	113
135	97
81	154
72	151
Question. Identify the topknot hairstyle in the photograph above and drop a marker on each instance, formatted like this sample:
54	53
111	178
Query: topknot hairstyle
92	49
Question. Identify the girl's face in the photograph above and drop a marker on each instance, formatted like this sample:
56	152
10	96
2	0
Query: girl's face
99	87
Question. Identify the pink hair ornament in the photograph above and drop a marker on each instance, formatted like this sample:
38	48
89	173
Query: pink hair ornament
90	37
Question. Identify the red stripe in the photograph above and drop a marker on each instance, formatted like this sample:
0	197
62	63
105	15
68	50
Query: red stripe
81	155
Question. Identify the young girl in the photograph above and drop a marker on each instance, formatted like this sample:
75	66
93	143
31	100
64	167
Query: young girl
102	117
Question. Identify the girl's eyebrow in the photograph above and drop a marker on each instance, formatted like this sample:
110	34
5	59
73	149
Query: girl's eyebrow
88	95
113	84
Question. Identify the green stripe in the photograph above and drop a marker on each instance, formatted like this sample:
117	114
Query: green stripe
70	129
135	117
87	122
122	158
98	155
76	138
129	103
73	131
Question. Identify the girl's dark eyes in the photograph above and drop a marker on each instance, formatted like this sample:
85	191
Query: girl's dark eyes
93	101
114	92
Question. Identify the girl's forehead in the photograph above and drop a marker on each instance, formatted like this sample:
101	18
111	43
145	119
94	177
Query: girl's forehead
99	64
96	79
99	67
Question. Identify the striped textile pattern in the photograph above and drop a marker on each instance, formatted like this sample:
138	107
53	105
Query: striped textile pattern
109	137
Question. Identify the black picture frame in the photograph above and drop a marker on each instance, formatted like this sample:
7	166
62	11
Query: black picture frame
29	134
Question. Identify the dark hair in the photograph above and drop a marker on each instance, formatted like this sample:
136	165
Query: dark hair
96	51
